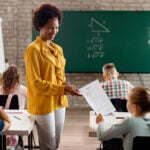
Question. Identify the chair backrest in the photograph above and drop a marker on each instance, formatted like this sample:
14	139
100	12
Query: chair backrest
119	104
14	101
141	143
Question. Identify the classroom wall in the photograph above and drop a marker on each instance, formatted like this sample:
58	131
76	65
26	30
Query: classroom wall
17	32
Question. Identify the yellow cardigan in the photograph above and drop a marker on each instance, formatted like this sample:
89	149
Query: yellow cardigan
45	77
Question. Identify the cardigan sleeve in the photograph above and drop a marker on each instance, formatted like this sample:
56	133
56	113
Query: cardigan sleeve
115	131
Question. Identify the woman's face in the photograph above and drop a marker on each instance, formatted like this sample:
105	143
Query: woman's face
49	31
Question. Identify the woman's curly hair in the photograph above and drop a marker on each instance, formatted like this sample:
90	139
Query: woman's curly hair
43	13
10	78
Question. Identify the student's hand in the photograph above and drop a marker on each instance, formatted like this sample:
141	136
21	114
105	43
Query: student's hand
99	118
72	90
4	116
1	107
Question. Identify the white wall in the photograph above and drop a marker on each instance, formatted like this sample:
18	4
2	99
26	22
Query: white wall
2	58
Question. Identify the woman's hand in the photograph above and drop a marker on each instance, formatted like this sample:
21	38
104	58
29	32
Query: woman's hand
99	118
72	90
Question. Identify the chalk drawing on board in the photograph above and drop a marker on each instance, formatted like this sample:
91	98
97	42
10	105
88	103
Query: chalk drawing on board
96	26
148	28
95	44
96	55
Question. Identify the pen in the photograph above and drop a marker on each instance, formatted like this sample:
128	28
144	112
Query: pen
15	112
119	117
17	117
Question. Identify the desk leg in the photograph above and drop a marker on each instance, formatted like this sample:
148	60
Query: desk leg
3	142
30	146
20	141
31	142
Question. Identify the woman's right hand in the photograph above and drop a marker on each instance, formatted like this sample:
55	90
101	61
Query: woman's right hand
72	90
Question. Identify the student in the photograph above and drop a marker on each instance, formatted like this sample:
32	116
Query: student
11	86
138	105
4	121
45	77
12	95
114	87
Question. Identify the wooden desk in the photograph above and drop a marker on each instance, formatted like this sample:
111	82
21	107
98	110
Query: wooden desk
109	120
21	124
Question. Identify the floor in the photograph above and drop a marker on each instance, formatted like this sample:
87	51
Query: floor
75	135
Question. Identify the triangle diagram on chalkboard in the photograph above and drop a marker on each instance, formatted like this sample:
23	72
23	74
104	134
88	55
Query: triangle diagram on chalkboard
97	26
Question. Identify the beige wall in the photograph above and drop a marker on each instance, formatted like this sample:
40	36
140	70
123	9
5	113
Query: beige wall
17	34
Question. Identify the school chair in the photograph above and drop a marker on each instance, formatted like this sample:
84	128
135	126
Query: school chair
113	144
14	104
141	142
119	104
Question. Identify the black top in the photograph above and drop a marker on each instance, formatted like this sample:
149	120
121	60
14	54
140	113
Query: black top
14	104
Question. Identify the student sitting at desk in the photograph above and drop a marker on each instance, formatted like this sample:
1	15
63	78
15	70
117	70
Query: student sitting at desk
11	87
12	95
138	105
4	121
116	89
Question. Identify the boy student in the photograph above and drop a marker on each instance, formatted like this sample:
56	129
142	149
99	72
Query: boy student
116	89
138	124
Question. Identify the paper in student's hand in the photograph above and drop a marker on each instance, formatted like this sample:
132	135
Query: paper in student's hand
97	98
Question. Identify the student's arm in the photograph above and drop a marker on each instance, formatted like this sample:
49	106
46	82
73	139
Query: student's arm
6	126
114	131
4	117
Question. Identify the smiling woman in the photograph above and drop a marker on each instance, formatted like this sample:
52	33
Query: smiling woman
45	77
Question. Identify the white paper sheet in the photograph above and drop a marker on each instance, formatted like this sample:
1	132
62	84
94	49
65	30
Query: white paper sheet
97	98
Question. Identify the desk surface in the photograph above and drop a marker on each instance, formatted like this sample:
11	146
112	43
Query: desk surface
21	123
109	119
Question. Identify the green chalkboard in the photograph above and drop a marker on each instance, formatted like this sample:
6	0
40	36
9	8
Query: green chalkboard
92	38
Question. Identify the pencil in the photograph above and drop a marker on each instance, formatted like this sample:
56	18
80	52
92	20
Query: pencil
17	117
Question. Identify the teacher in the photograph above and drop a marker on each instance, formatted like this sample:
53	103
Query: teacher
45	78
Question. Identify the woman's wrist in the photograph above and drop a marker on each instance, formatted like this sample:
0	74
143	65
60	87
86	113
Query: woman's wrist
65	89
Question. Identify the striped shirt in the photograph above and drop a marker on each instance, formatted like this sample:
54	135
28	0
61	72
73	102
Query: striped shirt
116	88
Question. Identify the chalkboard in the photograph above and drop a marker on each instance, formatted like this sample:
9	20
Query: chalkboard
92	38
